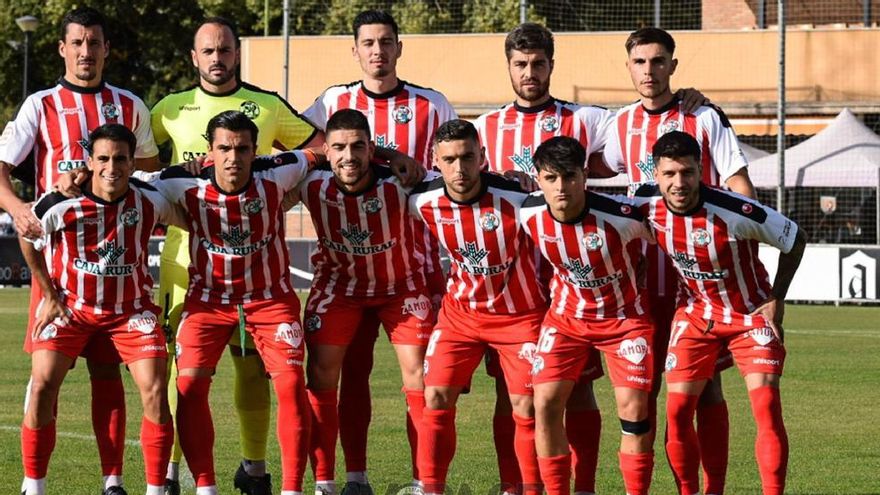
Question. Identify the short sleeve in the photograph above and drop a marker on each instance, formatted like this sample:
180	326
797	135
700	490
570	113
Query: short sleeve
20	134
597	121
293	130
317	112
160	133
727	156
146	145
612	153
289	172
775	230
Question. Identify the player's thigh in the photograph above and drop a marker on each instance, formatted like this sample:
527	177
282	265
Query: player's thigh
408	318
757	351
203	334
332	319
692	351
277	332
451	357
628	352
561	352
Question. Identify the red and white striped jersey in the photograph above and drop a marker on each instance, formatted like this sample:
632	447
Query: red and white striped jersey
512	133
635	130
595	258
56	122
493	261
715	250
236	240
366	243
99	248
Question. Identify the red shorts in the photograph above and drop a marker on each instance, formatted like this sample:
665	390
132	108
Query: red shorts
592	370
694	347
565	341
134	337
274	324
461	338
334	320
663	312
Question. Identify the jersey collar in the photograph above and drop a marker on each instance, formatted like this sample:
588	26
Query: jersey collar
665	108
384	96
540	108
224	93
86	189
233	193
484	186
580	217
79	89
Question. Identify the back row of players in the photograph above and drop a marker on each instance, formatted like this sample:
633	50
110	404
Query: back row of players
367	266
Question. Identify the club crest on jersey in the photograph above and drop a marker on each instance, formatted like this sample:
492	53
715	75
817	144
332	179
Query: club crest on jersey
250	109
701	237
144	323
372	205
289	333
593	241
549	123
420	307
110	110
254	206
669	126
403	114
236	236
671	361
523	160
131	217
489	221
313	323
633	350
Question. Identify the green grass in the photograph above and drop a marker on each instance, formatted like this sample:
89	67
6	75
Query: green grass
830	394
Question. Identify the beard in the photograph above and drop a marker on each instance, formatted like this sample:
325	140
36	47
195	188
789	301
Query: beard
533	93
217	79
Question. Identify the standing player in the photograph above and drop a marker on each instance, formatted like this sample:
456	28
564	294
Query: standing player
403	118
594	243
712	237
55	124
367	262
493	299
178	120
635	130
99	285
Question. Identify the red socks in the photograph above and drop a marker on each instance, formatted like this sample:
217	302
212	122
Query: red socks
156	441
325	426
292	427
108	423
415	405
436	448
36	449
713	431
503	429
524	445
355	405
584	429
636	470
556	473
196	427
771	442
682	446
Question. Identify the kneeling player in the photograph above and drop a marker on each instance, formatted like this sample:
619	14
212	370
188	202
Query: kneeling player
712	237
594	244
102	287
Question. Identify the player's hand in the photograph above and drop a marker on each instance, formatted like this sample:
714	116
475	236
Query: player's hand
525	180
773	310
26	223
50	309
691	99
68	184
194	166
407	170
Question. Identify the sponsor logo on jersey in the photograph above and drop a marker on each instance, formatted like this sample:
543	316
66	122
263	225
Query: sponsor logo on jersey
131	217
762	336
472	253
489	221
593	241
254	205
701	237
144	323
372	205
687	264
633	350
668	126
382	141
355	235
236	236
579	275
671	361
189	156
68	165
110	252
84	144
234	250
473	256
189	108
646	167
549	123
420	307
356	238
313	323
250	108
110	110
403	114
523	160
289	333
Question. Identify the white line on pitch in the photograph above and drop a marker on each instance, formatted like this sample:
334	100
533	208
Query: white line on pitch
67	434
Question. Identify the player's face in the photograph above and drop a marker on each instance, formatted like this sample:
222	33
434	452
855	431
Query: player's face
563	191
111	163
215	55
530	72
377	50
84	50
650	67
233	154
349	152
679	182
460	162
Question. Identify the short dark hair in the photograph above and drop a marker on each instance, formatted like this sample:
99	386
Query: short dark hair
220	21
561	154
84	16
113	132
348	119
455	130
676	144
231	120
374	17
529	36
649	35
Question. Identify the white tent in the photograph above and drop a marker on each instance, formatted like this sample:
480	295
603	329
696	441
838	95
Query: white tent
844	154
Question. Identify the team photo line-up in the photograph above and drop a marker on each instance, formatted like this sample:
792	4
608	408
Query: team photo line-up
545	275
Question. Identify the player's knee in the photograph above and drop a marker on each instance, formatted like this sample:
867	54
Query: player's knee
637	428
42	392
522	405
548	405
439	398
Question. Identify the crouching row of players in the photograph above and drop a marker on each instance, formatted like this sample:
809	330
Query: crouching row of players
368	261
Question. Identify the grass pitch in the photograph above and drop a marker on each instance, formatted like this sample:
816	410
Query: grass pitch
830	395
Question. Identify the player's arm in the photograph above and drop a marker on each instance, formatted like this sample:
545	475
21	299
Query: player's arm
52	306
691	99
405	168
26	224
149	164
741	183
773	309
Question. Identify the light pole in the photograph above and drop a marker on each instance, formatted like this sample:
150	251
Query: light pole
28	24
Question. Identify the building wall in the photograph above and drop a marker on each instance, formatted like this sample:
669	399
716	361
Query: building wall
743	14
